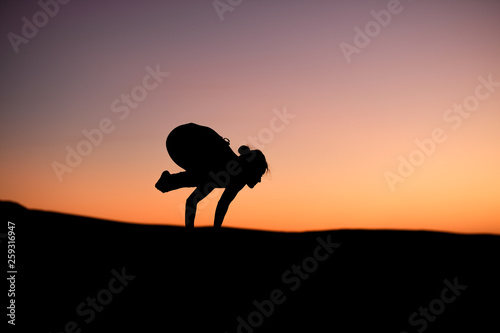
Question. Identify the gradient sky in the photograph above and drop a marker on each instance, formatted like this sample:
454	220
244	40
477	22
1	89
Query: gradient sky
352	121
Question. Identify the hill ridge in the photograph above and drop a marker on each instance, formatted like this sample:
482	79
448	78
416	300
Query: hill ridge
228	281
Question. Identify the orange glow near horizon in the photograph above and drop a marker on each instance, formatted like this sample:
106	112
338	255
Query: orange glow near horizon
348	123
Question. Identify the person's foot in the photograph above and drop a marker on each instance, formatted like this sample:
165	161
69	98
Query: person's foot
163	183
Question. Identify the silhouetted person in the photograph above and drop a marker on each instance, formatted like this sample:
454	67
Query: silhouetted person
209	163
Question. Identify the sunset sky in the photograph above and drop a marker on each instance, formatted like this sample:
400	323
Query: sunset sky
338	102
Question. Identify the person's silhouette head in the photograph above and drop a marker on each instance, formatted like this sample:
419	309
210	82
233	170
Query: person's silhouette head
254	165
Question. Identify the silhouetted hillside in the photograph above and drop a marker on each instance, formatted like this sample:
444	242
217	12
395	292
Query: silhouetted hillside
101	276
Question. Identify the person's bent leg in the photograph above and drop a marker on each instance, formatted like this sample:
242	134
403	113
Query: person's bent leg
169	182
183	179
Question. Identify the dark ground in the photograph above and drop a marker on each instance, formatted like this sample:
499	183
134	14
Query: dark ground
148	278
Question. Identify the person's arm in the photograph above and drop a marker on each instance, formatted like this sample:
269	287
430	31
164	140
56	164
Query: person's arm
227	197
191	203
